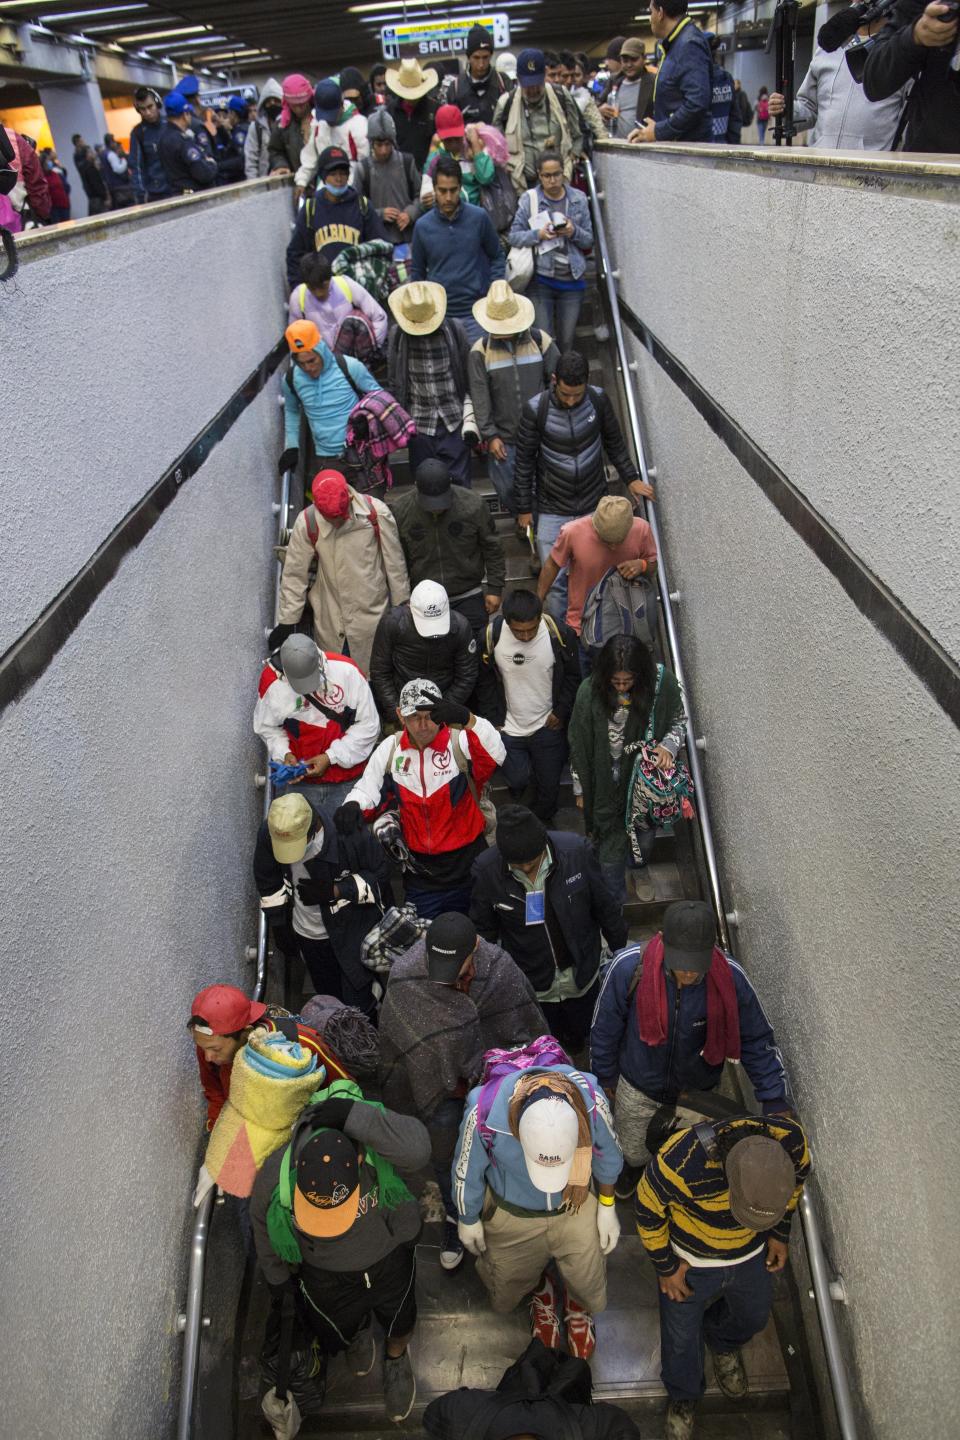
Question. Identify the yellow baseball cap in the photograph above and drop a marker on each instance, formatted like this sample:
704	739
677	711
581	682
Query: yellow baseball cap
289	820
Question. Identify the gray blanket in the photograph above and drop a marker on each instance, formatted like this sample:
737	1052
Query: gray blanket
432	1038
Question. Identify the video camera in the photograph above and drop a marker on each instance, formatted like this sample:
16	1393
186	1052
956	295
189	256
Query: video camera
843	27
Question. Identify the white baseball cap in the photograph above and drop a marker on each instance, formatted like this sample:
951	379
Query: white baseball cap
547	1132
430	608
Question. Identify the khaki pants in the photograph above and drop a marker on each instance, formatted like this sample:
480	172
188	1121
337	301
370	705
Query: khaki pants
632	1114
519	1249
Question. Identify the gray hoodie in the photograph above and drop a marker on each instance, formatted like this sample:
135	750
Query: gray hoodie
256	161
841	115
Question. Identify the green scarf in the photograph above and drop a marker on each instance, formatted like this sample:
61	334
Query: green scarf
391	1191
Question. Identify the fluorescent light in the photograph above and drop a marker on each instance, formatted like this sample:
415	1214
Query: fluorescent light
362	9
161	34
80	14
187	46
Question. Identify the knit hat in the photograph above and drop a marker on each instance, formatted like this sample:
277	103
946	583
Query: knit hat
225	1010
296	89
761	1178
506	64
331	494
304	664
450	939
521	837
302	335
351	79
449	122
327	101
380	126
615	46
478	38
634	48
612	519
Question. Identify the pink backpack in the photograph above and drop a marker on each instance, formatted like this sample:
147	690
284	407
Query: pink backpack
541	1054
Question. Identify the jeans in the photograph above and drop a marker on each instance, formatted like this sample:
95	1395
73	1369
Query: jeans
448	446
501	474
322	797
538	758
444	1126
569	1020
431	903
613	872
474	611
548	528
557	312
762	130
729	1305
328	978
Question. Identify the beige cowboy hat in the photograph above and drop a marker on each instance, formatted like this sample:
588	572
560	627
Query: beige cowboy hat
419	307
502	311
408	80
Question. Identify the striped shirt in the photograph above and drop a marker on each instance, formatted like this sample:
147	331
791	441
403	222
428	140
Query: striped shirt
683	1202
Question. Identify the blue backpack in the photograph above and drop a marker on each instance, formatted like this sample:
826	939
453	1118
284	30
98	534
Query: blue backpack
619	607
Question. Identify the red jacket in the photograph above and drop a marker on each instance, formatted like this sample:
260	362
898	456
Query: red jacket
34	179
215	1079
59	198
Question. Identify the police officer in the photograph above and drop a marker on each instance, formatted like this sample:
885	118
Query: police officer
187	167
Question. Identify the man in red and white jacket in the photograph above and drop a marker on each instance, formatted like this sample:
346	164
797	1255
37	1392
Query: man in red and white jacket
433	776
317	707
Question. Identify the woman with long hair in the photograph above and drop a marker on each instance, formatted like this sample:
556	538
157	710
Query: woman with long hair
627	701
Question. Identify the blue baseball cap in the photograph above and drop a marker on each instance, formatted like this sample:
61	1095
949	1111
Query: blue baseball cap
327	101
531	68
175	103
189	85
238	106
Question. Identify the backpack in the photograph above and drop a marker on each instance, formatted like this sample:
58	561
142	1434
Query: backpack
483	803
354	333
499	199
537	337
615	606
313	529
541	1054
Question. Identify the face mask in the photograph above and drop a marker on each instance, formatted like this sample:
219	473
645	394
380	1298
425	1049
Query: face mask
335	189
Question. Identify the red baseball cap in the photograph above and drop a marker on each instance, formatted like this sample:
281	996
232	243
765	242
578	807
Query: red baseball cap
331	494
449	122
225	1009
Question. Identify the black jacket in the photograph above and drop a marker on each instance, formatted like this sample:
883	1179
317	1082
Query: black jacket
187	164
491	696
544	1393
933	109
578	908
415	131
476	101
457	547
401	654
284	146
560	454
398	359
347	925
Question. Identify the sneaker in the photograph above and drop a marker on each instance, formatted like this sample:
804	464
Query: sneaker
730	1374
399	1386
680	1416
544	1320
627	1182
641	883
361	1353
451	1246
581	1333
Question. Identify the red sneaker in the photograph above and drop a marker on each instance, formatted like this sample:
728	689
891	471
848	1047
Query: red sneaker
581	1334
544	1320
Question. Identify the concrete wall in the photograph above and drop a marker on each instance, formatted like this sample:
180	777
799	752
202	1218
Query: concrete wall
832	773
127	794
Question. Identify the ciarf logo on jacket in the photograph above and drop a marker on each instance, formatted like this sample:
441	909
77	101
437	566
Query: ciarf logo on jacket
333	695
441	759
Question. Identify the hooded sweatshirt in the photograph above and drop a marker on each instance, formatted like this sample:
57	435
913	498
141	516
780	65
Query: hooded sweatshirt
326	401
349	132
331	224
256	156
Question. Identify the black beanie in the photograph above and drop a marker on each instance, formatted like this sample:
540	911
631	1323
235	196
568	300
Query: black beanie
613	49
478	38
520	835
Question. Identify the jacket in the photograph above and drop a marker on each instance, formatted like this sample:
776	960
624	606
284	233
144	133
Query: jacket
394	182
933	109
589	114
347	922
215	1079
684	87
415	126
463	255
441	822
359	573
94	182
578	213
345	729
398	363
511	118
343	298
579	909
491	696
349	132
400	1139
499	1163
458	547
256	147
147	175
286	143
725	122
604	798
560	462
842	117
475	99
186	165
326	401
228	153
683	1199
661	1072
401	654
480	173
504	373
330	225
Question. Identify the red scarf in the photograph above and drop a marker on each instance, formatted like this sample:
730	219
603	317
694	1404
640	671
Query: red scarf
723	1016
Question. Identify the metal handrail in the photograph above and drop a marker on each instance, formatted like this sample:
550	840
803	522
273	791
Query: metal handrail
191	1322
824	1288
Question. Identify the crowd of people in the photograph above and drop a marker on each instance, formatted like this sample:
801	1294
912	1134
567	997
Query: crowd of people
479	1019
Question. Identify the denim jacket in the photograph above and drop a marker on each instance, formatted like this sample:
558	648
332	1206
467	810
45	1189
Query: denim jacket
577	210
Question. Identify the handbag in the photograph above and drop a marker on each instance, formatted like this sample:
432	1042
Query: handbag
499	199
654	795
520	258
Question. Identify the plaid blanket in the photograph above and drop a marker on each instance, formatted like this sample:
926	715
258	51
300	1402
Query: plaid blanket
377	426
369	264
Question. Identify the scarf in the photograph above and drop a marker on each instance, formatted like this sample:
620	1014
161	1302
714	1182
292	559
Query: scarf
296	88
391	1190
578	1186
723	1016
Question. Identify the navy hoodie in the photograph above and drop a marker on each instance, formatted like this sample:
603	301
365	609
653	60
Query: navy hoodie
330	225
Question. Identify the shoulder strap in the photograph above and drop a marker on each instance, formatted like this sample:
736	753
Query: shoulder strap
344	369
707	1136
462	763
343	285
374	519
313	529
554	629
542	407
302	298
635	979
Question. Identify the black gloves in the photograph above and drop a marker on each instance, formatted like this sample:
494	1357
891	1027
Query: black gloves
348	889
330	1113
317	890
278	634
279	1290
288	460
449	712
349	818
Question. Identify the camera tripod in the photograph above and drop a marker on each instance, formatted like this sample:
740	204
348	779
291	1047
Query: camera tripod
783	30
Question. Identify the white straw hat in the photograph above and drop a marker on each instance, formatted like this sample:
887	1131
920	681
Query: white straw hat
408	80
502	311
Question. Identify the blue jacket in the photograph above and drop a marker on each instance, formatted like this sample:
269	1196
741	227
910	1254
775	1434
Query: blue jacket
662	1071
147	175
577	211
725	119
684	88
463	255
326	401
503	1167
